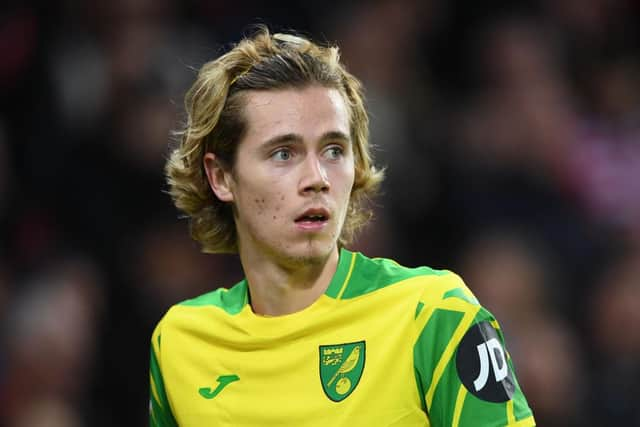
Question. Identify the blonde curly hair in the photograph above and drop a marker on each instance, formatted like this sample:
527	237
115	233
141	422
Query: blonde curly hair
215	123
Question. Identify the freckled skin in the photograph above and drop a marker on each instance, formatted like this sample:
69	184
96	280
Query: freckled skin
259	207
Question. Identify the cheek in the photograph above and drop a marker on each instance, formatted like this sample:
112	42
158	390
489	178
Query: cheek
347	179
279	201
346	192
268	206
278	205
259	204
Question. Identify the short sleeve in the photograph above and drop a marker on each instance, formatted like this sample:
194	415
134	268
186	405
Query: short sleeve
463	371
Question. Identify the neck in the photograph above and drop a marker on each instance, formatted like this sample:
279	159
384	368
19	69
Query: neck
279	288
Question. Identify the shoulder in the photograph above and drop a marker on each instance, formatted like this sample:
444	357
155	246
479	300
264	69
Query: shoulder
221	301
230	300
431	286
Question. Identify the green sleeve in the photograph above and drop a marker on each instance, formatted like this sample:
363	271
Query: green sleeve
463	372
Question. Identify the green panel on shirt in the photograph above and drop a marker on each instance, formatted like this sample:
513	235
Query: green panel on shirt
432	342
370	274
419	308
160	412
230	300
459	293
442	407
476	411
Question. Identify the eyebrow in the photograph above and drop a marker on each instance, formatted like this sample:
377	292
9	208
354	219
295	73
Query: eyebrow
294	138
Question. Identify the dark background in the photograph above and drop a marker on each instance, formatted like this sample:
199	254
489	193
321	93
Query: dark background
511	133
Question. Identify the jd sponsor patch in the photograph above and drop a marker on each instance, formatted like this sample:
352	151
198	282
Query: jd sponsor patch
482	364
341	367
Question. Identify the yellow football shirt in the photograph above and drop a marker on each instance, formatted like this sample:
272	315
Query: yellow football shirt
385	345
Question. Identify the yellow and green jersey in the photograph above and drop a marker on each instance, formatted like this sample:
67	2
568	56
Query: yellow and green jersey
385	345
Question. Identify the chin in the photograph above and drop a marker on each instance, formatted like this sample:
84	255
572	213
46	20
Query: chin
312	252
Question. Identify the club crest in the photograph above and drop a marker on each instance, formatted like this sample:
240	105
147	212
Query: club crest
341	367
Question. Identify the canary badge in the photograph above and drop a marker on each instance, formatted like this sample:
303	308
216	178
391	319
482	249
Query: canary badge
341	367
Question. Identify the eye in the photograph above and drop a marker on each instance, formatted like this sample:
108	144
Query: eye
334	152
281	154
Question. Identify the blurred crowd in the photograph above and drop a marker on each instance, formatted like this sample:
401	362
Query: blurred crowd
511	136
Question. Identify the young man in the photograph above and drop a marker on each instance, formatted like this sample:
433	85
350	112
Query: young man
274	164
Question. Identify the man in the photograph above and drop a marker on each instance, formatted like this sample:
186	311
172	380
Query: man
274	164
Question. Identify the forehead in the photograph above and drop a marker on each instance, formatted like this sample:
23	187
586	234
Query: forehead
308	111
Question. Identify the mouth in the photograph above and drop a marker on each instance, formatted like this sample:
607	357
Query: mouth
312	218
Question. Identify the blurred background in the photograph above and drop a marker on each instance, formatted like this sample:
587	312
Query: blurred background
511	133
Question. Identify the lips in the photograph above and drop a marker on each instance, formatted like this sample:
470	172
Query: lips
313	215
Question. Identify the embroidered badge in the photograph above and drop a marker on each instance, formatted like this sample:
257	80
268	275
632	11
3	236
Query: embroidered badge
341	367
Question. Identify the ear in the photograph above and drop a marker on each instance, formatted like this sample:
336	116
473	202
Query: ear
220	179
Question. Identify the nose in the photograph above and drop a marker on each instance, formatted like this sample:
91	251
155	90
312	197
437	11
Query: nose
314	176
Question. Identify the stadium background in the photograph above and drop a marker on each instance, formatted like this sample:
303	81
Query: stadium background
512	138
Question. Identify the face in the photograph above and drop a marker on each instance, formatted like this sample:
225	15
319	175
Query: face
293	174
